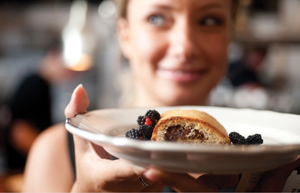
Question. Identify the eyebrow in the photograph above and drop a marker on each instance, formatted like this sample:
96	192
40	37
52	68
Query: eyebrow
211	6
162	6
203	8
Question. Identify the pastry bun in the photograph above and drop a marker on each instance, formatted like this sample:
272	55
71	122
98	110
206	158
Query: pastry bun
190	126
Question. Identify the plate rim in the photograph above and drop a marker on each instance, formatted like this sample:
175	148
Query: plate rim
105	139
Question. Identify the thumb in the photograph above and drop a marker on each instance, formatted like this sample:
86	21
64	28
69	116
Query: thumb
79	102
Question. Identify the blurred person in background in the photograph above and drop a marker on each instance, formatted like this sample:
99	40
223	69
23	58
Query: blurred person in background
245	70
177	51
30	107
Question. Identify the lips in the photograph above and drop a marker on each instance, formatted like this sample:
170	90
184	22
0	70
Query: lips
182	76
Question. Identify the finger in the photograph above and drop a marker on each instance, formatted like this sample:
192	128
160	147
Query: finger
292	166
179	182
81	146
101	152
124	169
120	175
274	180
220	181
79	102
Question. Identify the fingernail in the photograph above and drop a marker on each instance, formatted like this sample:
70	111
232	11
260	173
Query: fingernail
80	85
73	94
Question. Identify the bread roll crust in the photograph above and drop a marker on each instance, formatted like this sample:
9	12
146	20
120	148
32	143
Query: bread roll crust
190	126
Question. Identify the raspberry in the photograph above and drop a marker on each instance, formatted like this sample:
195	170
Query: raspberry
146	131
145	120
153	114
237	139
133	134
254	139
148	121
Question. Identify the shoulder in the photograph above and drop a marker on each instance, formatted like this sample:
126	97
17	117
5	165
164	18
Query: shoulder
48	166
53	136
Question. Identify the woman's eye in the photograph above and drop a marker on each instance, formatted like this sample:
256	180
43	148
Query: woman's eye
157	20
211	21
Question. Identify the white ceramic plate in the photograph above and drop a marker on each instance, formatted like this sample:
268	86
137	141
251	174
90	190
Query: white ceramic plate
281	134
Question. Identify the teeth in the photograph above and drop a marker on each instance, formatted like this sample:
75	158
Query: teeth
179	73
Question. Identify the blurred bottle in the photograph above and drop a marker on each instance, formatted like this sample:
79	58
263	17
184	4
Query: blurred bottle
242	21
290	17
78	47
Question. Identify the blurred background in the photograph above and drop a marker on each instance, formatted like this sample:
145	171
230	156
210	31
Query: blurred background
264	71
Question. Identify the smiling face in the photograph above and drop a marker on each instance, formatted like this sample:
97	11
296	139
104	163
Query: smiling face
177	49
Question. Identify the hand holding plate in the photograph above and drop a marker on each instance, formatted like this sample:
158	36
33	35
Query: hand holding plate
95	170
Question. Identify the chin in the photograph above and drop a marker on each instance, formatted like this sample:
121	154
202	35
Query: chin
171	94
181	99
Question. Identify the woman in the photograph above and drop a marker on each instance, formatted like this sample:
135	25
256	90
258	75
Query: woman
177	51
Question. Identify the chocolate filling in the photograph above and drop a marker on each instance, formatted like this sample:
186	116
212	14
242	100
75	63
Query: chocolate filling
179	132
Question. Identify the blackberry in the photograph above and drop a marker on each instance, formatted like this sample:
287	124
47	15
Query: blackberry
133	134
146	124
153	114
237	139
141	120
254	139
146	131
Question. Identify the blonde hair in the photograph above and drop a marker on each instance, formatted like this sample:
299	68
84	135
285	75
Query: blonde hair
122	8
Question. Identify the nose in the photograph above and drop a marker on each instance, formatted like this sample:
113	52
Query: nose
183	42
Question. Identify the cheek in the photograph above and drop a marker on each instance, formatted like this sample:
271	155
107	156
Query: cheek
216	49
148	47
